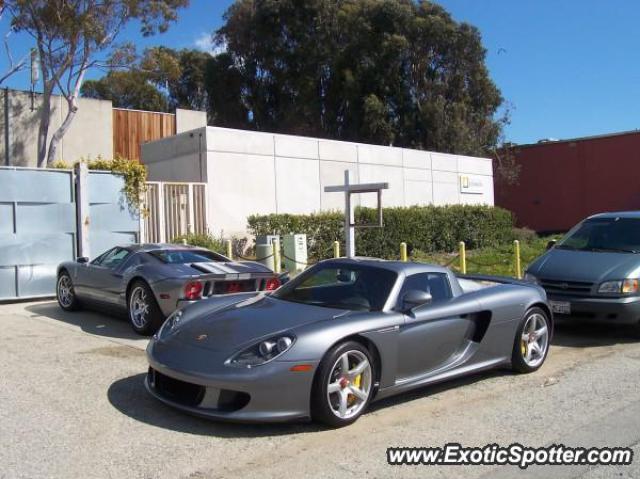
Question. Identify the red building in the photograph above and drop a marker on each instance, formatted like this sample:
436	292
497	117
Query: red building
562	182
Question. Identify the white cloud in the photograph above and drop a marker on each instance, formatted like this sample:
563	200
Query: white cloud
205	43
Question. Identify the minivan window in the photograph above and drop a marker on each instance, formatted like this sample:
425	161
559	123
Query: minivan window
604	234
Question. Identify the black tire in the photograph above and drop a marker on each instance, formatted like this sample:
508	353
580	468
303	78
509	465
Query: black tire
148	323
321	409
65	292
519	361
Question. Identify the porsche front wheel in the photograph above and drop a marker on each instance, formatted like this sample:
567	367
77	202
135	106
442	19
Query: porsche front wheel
343	385
531	344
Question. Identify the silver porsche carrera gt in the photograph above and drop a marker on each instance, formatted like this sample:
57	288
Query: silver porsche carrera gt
340	335
150	281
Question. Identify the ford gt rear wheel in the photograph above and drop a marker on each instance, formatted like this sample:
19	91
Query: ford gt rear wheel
531	345
343	386
144	313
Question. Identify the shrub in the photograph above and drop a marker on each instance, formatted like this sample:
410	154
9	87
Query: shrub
524	235
203	240
425	228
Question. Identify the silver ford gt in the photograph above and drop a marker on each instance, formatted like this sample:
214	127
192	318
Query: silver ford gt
150	281
340	335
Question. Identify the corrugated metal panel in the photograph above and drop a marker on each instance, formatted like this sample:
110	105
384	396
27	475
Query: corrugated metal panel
38	225
112	222
37	229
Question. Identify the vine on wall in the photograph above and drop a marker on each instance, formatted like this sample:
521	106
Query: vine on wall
134	174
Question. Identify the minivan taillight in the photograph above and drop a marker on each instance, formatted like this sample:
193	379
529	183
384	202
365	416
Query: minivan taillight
193	290
272	284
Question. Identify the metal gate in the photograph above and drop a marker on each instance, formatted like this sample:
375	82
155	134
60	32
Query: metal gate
38	225
173	210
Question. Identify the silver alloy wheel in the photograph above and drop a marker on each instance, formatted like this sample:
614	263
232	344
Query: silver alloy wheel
138	307
535	340
65	291
349	384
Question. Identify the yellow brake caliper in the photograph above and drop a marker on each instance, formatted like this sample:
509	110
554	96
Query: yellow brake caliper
523	347
356	382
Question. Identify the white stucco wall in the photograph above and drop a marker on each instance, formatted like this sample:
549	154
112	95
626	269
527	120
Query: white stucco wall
256	173
90	134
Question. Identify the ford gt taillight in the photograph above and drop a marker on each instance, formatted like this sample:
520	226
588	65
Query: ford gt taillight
193	290
272	284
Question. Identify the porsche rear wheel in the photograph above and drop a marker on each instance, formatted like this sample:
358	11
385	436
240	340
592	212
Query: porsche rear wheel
343	385
531	344
65	293
144	313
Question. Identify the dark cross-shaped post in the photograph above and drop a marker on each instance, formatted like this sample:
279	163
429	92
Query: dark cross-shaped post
349	221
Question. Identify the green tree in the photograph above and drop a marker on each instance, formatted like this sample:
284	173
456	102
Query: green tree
126	89
162	80
381	71
71	37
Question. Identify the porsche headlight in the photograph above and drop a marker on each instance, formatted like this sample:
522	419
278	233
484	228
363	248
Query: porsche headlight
171	322
623	286
262	352
529	278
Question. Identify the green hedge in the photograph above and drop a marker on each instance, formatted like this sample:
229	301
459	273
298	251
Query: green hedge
424	228
203	240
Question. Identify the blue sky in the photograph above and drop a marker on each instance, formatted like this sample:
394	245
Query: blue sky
567	68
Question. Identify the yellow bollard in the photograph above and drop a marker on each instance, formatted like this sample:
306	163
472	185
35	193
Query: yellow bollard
336	249
276	256
518	265
403	252
229	249
463	258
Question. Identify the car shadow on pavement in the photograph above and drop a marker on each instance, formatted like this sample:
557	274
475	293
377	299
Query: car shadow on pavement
434	389
576	333
112	326
129	396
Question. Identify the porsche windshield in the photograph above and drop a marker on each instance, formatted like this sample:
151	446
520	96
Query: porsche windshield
604	234
351	287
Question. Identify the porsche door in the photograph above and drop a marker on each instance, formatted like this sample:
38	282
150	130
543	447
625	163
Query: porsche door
434	335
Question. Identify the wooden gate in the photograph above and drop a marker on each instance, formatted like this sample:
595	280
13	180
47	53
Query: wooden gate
173	210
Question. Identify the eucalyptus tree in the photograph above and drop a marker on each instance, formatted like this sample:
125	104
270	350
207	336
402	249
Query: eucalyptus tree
73	36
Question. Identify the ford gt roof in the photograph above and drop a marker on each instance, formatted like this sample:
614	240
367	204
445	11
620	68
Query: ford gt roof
147	247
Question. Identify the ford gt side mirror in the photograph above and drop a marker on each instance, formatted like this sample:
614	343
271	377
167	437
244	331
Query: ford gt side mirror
414	298
82	260
551	244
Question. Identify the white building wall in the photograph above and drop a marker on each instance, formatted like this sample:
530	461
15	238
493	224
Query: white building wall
259	173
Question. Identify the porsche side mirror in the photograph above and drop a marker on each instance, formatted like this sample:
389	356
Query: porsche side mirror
414	298
82	260
551	244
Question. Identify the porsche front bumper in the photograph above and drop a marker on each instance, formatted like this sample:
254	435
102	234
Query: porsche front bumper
190	380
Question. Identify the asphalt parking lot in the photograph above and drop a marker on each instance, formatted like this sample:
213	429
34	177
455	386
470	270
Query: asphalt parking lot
73	404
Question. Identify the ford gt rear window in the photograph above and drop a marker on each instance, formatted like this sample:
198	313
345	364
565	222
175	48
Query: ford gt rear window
172	256
350	287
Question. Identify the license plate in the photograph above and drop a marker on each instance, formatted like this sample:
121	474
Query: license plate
560	307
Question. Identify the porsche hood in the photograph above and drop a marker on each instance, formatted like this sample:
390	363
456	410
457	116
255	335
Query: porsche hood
233	326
